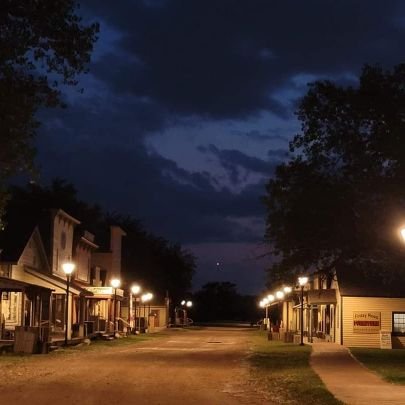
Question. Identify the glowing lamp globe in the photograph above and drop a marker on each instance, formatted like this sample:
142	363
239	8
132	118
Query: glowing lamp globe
68	268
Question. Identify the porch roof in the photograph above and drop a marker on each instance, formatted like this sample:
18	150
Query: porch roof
325	296
11	285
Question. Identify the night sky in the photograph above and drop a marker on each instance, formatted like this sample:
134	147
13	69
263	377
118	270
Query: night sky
189	106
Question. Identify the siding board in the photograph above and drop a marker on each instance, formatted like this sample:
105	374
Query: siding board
373	304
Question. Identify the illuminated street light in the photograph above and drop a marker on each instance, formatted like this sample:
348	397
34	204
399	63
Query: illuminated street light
189	304
302	281
183	302
287	290
270	297
135	290
279	295
115	283
68	268
146	298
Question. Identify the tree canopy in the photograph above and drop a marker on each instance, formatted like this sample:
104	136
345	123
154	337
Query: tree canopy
340	197
44	44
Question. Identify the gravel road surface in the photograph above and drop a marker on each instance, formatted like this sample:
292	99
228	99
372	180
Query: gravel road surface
204	366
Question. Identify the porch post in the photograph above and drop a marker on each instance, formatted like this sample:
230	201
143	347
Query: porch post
22	308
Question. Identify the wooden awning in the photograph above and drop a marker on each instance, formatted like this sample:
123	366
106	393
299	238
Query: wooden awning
11	285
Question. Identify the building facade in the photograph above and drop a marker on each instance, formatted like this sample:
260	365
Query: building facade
350	307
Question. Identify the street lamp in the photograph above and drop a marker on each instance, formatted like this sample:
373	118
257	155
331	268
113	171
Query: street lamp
68	268
150	296
287	290
135	290
146	298
115	283
279	295
302	281
185	304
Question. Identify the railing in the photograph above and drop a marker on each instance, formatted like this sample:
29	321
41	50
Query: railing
124	322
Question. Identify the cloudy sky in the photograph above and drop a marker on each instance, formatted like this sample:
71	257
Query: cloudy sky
189	106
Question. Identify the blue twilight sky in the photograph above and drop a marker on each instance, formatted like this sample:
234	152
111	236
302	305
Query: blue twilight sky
189	106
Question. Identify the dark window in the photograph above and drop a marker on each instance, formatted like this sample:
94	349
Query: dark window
398	323
63	240
58	311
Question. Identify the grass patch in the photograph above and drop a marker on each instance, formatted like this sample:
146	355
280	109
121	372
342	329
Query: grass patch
283	371
390	364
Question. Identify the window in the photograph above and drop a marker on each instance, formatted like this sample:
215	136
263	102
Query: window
398	323
58	311
63	240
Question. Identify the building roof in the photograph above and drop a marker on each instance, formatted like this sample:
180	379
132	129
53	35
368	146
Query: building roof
359	282
322	296
8	284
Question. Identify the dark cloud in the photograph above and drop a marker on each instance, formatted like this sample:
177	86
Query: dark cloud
239	165
125	176
258	136
278	154
226	59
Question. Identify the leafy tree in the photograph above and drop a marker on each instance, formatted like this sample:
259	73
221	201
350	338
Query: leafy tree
43	44
340	198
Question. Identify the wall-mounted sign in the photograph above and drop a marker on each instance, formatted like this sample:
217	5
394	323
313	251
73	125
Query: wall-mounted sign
105	291
366	322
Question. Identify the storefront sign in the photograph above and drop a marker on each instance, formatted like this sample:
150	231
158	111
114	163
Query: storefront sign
105	291
366	322
385	340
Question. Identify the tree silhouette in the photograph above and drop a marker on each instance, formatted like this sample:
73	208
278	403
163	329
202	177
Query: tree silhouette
341	196
43	45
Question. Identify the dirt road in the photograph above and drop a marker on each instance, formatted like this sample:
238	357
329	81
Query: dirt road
185	367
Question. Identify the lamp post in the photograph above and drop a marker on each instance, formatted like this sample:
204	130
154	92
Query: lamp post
287	290
135	290
115	283
188	304
68	268
150	296
144	299
302	281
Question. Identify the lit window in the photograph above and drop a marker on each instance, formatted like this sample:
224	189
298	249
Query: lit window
398	323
